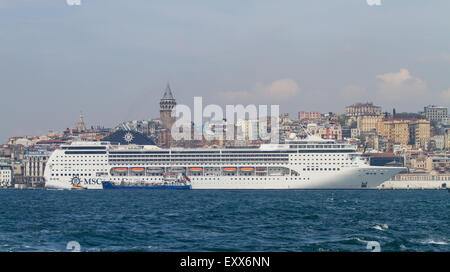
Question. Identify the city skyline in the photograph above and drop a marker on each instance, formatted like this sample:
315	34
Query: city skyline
201	127
112	60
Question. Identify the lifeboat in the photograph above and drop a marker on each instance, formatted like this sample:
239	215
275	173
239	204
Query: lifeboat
228	169
247	168
121	169
138	169
196	169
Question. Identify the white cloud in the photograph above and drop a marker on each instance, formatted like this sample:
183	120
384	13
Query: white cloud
395	78
401	86
283	88
279	90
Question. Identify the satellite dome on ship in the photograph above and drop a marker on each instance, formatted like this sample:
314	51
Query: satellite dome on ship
126	137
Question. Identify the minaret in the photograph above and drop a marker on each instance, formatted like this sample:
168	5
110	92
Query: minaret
166	105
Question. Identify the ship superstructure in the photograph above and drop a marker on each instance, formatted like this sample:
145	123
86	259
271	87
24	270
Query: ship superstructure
311	163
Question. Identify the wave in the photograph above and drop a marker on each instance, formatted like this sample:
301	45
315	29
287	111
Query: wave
434	242
382	227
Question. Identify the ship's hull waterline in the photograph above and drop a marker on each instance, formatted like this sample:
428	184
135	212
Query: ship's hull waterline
348	179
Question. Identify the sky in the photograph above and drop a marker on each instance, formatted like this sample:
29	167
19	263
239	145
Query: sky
111	59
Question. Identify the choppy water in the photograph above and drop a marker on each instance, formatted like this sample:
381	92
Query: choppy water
224	220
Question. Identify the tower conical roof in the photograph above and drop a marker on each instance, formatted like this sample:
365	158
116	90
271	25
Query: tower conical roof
168	93
80	125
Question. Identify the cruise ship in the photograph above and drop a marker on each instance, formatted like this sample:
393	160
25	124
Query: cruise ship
311	163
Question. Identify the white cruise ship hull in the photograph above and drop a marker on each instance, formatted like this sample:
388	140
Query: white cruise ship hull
353	178
315	164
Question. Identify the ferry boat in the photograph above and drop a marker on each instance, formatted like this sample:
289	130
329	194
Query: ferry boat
311	163
109	186
170	182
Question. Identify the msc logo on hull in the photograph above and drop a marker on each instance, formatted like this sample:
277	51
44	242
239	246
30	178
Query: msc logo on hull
87	181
